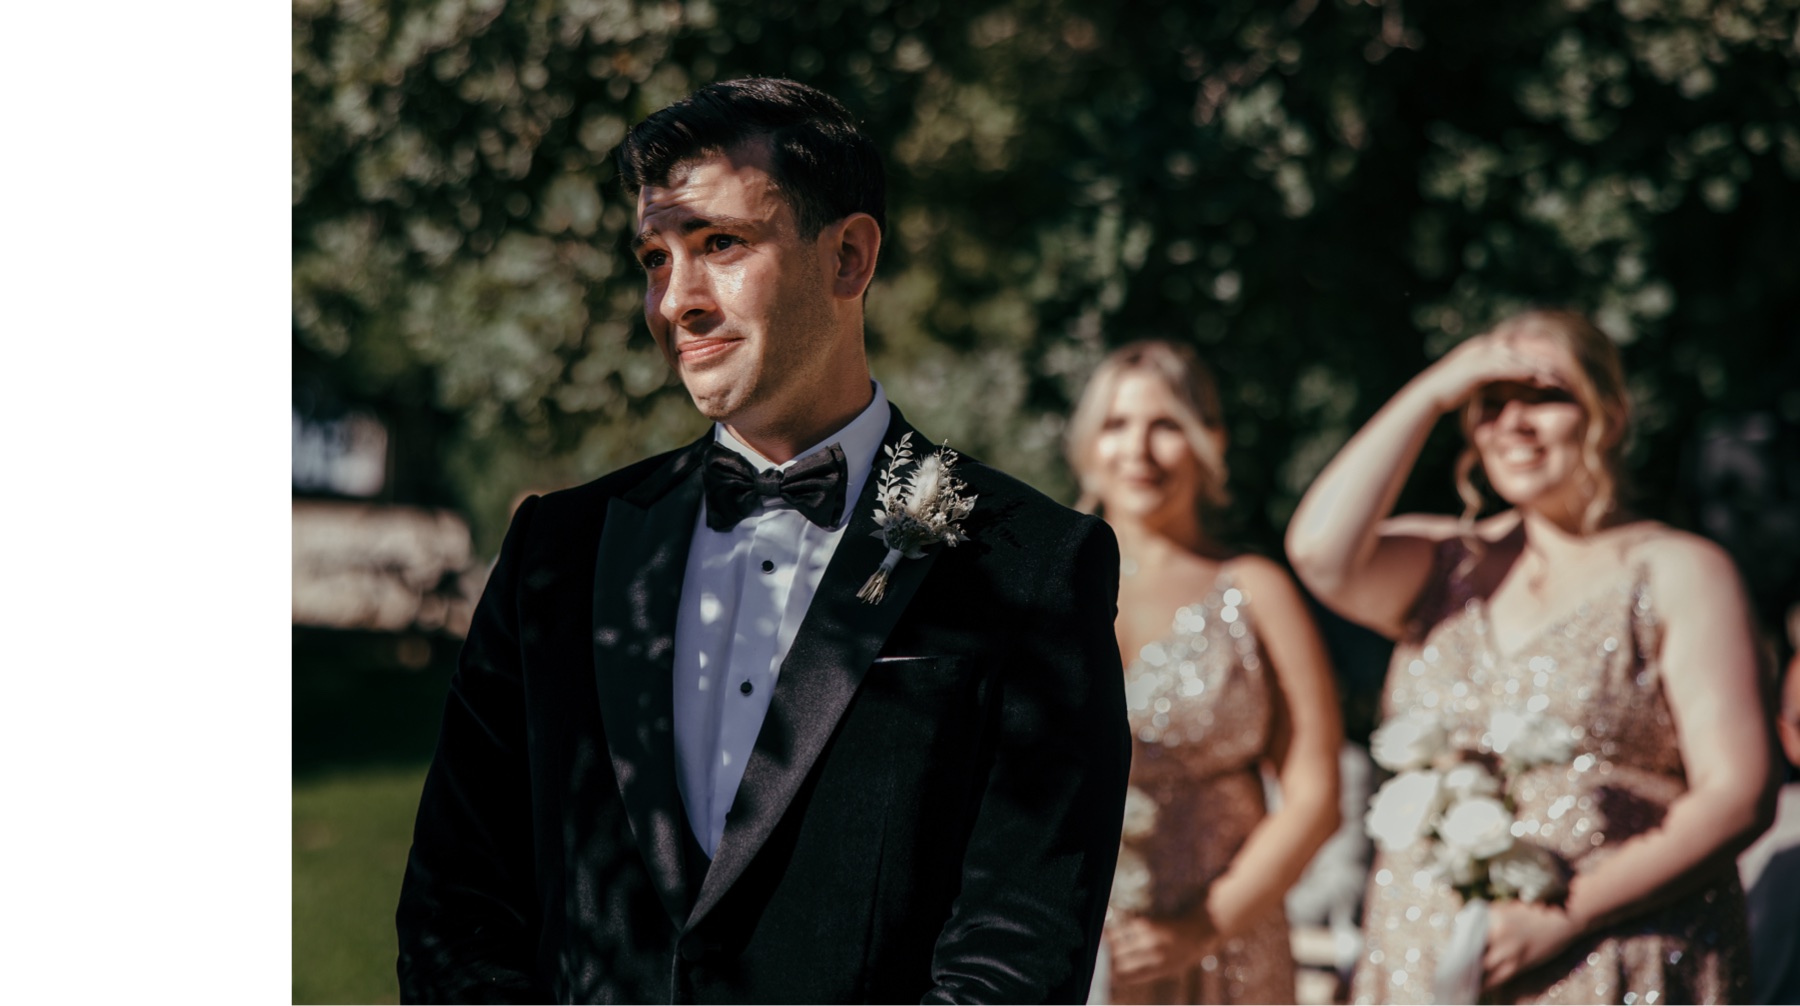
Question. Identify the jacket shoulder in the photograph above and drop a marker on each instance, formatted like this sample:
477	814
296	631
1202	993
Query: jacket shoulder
1016	529
589	499
1012	500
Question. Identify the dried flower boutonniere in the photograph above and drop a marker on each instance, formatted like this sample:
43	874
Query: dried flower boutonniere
916	512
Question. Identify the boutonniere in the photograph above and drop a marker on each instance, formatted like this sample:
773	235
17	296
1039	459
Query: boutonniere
918	511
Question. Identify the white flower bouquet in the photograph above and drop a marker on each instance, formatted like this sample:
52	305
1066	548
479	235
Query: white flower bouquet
1453	802
1131	879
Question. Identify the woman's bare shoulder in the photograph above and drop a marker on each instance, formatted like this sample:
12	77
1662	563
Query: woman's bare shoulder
1676	560
1255	571
1268	583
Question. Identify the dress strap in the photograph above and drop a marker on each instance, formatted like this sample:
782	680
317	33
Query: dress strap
1446	587
1224	583
1646	628
1454	561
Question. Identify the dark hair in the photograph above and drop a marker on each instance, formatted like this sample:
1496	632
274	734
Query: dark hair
824	167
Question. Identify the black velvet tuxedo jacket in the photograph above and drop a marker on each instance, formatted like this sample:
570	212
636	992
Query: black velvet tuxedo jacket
931	810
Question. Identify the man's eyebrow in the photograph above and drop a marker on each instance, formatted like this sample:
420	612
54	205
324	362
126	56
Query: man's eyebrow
692	224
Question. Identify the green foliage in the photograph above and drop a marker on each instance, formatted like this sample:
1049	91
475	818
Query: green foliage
1321	195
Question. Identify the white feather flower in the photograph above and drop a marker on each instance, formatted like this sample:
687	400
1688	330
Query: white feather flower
915	513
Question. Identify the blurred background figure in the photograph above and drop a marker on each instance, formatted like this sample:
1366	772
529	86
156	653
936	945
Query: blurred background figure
1771	867
1325	905
1561	607
1225	674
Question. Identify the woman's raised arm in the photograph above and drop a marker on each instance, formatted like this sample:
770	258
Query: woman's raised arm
1362	565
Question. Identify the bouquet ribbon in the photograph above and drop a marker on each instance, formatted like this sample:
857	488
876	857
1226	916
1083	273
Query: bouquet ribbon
1458	977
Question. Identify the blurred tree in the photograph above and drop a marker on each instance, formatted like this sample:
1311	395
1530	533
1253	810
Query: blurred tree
1322	195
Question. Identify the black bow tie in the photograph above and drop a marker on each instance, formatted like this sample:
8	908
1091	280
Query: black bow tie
813	485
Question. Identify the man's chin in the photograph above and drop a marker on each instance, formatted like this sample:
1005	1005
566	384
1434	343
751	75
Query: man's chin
714	402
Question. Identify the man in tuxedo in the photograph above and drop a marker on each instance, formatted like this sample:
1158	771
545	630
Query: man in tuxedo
682	760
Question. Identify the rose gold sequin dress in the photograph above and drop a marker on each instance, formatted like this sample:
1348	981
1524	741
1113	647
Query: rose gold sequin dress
1595	668
1200	709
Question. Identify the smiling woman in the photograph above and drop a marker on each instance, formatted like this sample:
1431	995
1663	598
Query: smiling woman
1561	427
1225	676
1560	610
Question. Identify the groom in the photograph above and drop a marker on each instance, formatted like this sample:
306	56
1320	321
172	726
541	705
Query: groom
682	760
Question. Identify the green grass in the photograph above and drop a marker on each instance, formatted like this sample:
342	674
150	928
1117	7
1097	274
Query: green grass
364	728
351	834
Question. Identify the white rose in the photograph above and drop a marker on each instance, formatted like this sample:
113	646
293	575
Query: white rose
1549	741
1505	728
1140	813
1470	779
1407	742
1131	882
1457	866
1529	739
1479	826
1402	809
1527	872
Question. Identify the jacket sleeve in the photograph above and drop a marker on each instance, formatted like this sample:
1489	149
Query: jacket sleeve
1038	867
467	921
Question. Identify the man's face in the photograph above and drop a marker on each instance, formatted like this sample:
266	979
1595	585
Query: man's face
736	299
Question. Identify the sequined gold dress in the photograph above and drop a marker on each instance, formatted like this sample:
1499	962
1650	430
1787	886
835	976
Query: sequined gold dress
1596	669
1200	706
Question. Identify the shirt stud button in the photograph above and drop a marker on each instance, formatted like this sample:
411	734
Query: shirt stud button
767	566
746	688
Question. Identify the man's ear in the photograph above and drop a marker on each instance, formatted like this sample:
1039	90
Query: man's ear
855	245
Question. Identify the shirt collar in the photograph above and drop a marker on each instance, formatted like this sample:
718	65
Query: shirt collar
860	439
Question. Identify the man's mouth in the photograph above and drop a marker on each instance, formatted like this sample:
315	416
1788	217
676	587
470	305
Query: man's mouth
704	349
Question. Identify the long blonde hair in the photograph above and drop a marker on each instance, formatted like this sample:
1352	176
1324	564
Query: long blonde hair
1179	368
1599	385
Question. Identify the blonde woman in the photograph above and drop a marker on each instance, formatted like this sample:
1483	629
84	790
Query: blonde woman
1636	636
1225	675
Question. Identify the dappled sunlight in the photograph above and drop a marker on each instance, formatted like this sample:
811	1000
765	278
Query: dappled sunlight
1322	196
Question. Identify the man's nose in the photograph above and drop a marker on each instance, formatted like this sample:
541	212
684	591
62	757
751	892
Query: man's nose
688	298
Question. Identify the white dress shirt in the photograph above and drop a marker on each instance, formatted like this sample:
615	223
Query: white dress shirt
743	596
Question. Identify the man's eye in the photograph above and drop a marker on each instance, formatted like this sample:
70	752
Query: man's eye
720	242
652	260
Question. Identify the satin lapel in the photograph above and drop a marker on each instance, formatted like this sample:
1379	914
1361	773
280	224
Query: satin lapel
637	589
834	647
